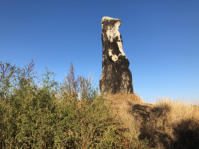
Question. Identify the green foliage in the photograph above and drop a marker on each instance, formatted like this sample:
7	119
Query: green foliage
48	116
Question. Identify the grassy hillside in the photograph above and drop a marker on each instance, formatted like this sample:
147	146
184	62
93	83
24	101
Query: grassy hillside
166	124
41	113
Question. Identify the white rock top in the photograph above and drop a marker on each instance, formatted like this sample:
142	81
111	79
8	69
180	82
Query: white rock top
105	18
112	32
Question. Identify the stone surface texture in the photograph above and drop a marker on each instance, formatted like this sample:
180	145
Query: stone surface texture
116	76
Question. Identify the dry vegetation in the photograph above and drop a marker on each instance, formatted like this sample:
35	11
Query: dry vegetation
120	105
180	110
74	115
166	124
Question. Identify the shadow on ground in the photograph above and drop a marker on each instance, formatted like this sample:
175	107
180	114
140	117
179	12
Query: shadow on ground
156	127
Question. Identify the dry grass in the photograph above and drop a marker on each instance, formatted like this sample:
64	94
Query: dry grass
121	105
180	110
166	124
184	123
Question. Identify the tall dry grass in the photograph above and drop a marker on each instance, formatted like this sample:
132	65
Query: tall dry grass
120	105
180	110
165	124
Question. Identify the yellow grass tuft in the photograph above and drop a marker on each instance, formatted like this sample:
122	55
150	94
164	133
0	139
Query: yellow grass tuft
180	110
121	105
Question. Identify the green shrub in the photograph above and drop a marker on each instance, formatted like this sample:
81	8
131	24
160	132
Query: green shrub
44	115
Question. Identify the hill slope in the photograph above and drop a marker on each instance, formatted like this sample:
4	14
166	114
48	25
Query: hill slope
165	124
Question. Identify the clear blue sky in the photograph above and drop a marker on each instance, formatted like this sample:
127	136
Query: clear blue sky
161	40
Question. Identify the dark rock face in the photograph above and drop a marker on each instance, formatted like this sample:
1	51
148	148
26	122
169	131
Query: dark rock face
116	76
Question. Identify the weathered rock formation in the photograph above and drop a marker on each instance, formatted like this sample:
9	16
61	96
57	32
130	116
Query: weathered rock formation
116	76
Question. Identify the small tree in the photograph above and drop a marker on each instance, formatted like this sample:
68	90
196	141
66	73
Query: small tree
7	73
79	88
70	86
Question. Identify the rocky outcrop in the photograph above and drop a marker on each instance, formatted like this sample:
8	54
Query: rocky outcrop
116	76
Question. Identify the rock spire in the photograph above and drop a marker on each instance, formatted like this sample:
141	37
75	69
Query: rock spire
116	76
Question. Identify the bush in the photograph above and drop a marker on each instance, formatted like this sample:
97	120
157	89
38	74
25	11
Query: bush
44	115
